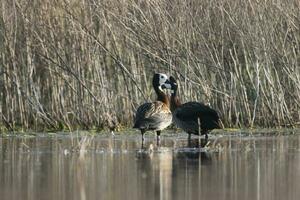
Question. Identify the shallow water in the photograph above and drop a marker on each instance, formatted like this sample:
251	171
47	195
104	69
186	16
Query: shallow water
230	167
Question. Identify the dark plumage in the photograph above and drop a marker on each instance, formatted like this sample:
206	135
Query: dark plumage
188	115
155	115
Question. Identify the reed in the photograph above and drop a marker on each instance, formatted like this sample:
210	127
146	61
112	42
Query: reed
88	63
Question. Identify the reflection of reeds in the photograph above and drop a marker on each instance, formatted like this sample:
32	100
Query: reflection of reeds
88	63
83	144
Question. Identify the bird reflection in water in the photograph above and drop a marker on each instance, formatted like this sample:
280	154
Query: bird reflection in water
168	163
194	150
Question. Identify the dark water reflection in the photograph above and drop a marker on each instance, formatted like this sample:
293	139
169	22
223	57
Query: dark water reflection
102	167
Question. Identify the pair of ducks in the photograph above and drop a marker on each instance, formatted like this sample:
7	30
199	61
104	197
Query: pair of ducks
192	117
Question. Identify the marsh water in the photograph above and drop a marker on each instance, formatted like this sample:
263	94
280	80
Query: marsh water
78	166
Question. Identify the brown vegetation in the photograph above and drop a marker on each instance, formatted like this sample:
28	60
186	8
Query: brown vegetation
89	63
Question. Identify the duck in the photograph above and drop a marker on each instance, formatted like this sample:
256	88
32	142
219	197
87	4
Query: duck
188	115
156	115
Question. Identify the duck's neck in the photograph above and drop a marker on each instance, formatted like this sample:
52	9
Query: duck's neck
175	102
161	96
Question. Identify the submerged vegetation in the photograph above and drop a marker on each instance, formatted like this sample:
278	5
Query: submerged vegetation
68	64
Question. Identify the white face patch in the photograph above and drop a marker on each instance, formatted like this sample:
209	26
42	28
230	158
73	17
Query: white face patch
162	79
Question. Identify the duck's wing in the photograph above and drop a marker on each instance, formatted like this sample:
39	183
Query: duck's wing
190	112
149	115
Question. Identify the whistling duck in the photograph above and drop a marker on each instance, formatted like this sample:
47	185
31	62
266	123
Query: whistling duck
155	115
187	116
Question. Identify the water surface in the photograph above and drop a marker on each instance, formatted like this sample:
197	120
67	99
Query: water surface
72	166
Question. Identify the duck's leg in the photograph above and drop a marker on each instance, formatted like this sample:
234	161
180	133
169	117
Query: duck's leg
158	137
143	138
205	141
190	137
205	132
190	140
189	143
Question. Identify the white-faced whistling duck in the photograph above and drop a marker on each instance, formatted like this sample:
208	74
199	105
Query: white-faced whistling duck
156	115
188	115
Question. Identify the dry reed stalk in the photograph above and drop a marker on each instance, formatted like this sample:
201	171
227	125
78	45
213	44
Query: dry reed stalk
80	64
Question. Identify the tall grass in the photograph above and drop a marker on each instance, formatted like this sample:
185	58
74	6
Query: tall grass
89	63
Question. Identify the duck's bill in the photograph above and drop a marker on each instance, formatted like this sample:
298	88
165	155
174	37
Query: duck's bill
166	85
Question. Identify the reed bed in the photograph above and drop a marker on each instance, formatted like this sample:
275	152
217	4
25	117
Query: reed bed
88	64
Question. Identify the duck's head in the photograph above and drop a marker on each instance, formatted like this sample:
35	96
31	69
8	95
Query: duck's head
161	81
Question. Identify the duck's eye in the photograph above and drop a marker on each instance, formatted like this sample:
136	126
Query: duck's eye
161	77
